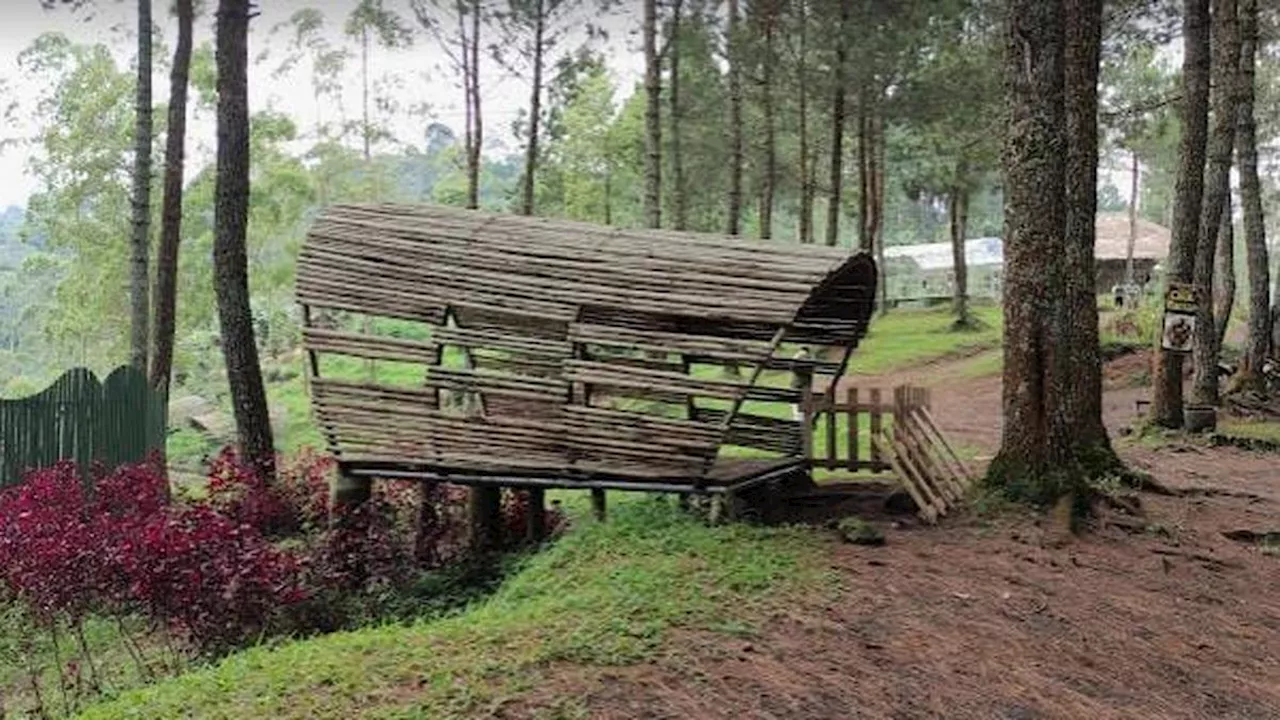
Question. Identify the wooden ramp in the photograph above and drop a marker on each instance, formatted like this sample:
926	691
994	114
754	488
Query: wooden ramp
925	463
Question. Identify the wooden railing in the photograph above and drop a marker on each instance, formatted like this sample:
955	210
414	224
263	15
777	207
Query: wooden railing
840	426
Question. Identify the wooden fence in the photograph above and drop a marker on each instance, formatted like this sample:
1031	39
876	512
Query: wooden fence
840	428
79	418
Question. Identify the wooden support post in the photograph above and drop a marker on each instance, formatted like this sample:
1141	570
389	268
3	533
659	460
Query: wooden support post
804	383
536	520
598	504
484	506
876	430
852	464
349	491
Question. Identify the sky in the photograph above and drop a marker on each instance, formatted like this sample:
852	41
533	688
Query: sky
429	81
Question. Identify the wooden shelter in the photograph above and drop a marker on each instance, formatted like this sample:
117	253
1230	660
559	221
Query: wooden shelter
478	348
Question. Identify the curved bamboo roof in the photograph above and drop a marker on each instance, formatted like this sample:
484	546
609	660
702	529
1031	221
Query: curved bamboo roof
588	350
425	258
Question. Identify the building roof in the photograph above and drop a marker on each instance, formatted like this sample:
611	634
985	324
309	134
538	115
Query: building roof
937	256
1152	242
1112	243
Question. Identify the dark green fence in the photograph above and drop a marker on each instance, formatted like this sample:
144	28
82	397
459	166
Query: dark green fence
78	418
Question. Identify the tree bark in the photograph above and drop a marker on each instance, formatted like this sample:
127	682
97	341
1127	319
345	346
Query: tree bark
1260	343
877	205
734	46
770	180
230	261
140	246
864	178
1225	67
1134	179
1079	380
1224	276
652	120
1052	435
958	210
535	109
802	80
837	127
477	123
679	201
1166	406
166	289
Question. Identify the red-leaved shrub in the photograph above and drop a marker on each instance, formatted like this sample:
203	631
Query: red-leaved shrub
217	581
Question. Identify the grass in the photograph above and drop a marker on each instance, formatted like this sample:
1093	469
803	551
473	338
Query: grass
1251	429
904	338
607	594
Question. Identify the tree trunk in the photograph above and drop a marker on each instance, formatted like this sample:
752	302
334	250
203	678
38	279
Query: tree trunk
477	135
1260	343
1225	67
1224	276
230	261
958	210
140	246
802	81
1134	179
734	45
877	205
535	110
864	178
652	120
1079	379
364	94
1166	406
166	290
837	127
769	186
1052	436
679	205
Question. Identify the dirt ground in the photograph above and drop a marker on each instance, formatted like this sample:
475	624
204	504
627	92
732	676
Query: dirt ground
1164	618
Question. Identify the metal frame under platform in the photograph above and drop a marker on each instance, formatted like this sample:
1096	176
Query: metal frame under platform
727	476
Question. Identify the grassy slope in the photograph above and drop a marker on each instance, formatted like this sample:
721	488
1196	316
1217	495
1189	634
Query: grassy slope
605	594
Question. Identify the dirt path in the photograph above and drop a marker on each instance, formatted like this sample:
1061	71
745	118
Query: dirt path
982	619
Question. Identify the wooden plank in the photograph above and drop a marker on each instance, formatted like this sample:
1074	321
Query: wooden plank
882	447
927	418
369	347
832	453
852	429
875	427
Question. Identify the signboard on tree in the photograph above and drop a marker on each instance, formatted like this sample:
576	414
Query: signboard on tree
1180	302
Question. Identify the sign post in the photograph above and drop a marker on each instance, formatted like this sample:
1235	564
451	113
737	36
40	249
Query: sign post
1179	327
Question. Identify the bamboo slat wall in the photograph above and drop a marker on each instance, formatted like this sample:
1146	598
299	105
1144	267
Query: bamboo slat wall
586	349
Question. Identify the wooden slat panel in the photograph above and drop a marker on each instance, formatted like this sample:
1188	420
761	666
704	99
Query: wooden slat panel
604	373
372	347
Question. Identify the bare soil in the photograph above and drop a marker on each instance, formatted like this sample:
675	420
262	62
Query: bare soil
1155	616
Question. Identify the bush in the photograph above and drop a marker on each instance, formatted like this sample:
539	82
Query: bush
250	560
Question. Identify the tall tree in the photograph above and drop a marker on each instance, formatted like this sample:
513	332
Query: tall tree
1255	240
230	260
1166	406
537	10
1224	275
1050	442
370	21
767	31
166	290
1225	62
958	215
802	99
456	26
733	48
652	119
140	248
838	91
679	197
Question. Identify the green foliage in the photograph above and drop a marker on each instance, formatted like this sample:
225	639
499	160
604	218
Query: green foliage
606	594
